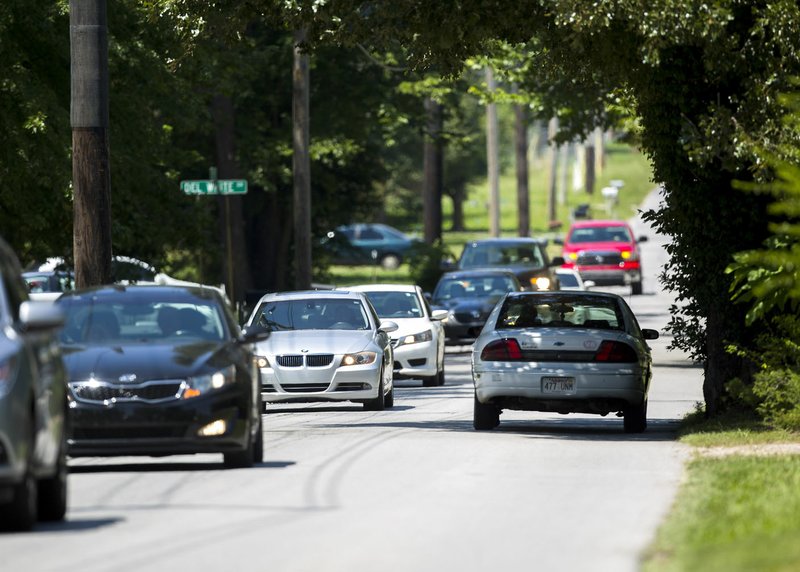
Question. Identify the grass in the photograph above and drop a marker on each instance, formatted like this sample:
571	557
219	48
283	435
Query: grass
622	163
733	513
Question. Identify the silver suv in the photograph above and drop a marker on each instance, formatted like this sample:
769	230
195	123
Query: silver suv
33	404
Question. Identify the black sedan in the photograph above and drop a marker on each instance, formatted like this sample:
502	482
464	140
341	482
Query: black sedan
160	370
469	297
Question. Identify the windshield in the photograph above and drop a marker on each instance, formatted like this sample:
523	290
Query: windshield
600	234
313	314
483	254
474	287
560	311
107	320
395	304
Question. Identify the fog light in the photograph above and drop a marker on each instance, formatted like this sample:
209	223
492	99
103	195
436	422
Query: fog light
213	429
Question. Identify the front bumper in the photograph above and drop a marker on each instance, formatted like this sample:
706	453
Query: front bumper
611	276
171	428
416	360
334	383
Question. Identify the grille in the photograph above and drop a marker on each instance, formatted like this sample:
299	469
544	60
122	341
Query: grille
97	433
147	392
417	362
319	360
290	361
352	386
598	258
305	387
466	317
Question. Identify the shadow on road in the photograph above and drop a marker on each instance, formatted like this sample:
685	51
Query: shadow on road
168	467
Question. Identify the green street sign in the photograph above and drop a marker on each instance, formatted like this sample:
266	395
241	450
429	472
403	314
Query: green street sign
220	187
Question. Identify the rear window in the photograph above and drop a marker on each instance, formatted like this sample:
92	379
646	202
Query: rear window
562	311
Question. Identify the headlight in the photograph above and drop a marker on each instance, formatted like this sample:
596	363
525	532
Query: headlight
425	336
361	358
202	384
541	283
627	255
573	256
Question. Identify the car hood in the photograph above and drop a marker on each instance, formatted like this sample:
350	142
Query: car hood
316	342
145	361
610	246
408	326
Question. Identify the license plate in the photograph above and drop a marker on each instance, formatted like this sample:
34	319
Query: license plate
558	385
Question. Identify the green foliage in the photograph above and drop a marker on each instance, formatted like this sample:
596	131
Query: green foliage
425	263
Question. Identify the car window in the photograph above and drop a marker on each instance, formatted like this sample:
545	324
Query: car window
313	314
483	254
567	280
600	234
395	304
89	321
370	234
474	287
561	311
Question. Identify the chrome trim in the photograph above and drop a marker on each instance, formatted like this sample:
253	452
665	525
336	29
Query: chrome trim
127	392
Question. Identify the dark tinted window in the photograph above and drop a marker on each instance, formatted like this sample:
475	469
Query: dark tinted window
560	311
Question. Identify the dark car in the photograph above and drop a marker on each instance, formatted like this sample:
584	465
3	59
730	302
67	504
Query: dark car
527	258
161	370
33	405
469	296
365	244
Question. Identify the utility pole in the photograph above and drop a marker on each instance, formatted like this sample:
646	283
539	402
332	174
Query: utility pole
301	164
433	162
552	130
91	174
492	154
521	146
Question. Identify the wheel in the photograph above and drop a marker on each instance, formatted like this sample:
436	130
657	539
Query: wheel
388	401
390	261
243	459
635	417
430	380
52	504
20	513
440	375
636	288
485	416
379	403
258	446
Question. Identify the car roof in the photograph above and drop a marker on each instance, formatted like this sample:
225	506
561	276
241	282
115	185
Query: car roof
567	294
479	272
508	240
114	289
382	288
598	223
306	294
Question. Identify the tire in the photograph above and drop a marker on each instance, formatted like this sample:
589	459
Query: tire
440	376
388	401
242	459
52	505
636	288
390	261
20	514
258	446
430	380
635	418
379	403
485	417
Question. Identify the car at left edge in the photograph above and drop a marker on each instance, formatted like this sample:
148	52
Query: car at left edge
325	345
160	370
562	352
33	405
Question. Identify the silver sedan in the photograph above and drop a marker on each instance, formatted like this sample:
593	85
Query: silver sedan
564	352
325	346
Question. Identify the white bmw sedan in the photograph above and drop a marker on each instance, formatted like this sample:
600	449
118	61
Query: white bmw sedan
419	340
564	352
325	346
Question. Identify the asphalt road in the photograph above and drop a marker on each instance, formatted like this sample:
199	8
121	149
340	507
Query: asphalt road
414	488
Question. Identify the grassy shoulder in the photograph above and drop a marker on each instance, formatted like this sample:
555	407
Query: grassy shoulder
734	512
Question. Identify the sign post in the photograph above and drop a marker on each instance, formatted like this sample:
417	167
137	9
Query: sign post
227	187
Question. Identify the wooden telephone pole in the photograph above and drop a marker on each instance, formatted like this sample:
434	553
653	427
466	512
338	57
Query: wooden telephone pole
91	174
301	165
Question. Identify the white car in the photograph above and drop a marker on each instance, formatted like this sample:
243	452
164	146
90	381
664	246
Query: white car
325	345
569	279
419	340
562	352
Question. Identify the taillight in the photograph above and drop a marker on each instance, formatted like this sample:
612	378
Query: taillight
610	351
506	349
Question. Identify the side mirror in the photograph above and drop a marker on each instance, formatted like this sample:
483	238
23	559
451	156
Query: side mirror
589	284
649	334
253	334
36	316
642	238
388	326
558	241
557	261
437	315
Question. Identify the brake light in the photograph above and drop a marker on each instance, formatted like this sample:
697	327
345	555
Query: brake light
506	349
615	352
